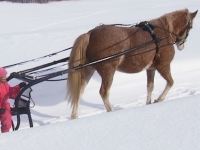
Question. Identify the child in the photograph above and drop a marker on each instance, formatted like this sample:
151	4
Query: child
6	92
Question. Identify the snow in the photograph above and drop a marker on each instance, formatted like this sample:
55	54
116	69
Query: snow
159	126
33	30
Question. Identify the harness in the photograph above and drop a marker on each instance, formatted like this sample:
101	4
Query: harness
146	26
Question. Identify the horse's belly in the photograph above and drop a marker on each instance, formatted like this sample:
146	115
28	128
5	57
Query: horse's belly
134	65
130	68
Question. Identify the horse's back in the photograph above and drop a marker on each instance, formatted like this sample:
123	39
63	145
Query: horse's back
106	40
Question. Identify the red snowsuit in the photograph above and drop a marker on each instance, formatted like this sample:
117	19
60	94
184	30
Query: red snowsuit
7	92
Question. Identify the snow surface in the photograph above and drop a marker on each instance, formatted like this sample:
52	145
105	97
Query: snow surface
33	30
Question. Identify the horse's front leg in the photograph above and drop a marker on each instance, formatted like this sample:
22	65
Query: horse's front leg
150	84
165	72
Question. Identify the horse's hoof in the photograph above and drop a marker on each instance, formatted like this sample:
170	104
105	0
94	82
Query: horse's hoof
148	103
156	101
73	117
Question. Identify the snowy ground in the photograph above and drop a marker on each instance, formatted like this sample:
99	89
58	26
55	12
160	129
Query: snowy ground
32	30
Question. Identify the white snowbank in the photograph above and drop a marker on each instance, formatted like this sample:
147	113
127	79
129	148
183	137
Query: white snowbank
170	125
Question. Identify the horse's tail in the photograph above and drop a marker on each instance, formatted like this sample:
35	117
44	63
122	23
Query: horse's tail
77	78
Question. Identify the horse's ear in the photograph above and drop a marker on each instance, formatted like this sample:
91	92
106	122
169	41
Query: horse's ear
193	14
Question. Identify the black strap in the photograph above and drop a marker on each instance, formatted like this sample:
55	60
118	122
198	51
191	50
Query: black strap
146	26
39	58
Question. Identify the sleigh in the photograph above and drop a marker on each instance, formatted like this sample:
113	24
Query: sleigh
24	102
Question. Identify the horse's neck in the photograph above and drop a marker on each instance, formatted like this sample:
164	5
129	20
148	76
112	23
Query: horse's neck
177	21
160	22
163	28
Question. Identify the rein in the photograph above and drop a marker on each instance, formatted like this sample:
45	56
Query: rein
36	59
146	26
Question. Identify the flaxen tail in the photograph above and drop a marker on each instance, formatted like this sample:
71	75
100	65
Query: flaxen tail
77	78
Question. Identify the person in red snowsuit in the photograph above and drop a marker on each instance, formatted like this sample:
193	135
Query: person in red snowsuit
6	92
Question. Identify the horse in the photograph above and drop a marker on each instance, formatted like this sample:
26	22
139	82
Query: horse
107	40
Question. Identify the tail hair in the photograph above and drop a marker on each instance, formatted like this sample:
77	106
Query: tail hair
76	78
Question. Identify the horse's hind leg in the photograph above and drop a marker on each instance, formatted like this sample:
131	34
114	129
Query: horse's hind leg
166	74
150	84
106	74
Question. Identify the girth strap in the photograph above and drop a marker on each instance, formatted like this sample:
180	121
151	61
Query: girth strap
146	26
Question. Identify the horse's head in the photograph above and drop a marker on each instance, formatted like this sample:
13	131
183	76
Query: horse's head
180	23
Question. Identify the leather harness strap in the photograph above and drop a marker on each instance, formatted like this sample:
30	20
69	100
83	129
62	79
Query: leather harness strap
146	26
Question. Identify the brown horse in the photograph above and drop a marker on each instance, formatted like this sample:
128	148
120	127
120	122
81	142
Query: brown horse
106	40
